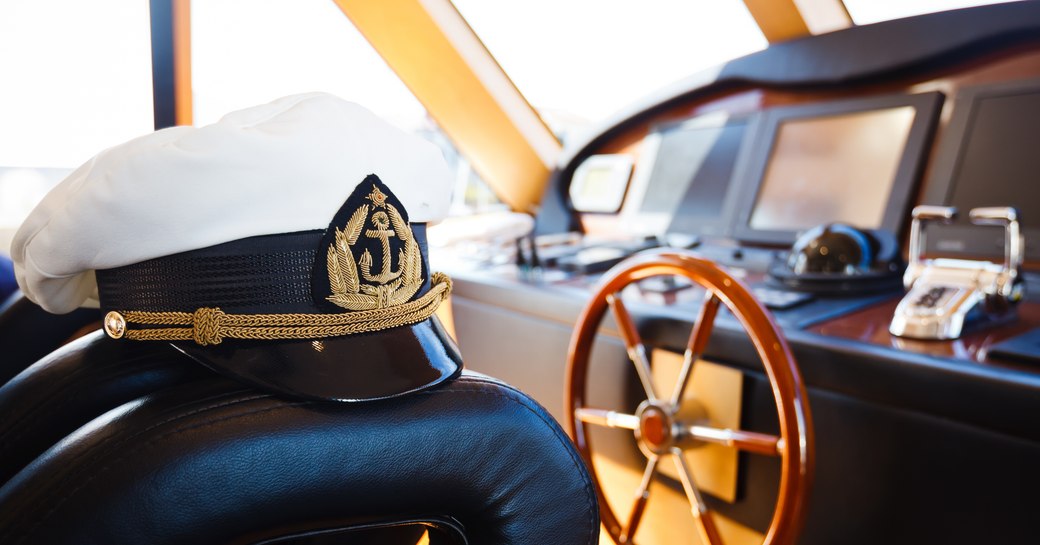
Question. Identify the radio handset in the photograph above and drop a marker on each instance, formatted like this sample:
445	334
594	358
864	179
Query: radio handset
944	294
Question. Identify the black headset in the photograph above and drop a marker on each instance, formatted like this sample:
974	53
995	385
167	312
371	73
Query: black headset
836	258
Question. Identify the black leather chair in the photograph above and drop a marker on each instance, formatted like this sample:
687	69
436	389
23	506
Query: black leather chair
163	451
28	333
77	383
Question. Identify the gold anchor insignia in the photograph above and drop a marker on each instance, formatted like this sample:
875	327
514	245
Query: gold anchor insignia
393	287
380	220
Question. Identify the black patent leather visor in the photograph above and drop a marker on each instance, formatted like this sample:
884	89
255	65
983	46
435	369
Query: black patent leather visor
359	367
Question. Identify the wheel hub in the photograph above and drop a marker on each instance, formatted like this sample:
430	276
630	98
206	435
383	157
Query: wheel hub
656	431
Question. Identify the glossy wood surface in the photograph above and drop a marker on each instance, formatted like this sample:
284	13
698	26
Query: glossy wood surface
870	325
795	444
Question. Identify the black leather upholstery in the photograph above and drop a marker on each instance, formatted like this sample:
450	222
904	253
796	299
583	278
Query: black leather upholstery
76	383
28	333
210	461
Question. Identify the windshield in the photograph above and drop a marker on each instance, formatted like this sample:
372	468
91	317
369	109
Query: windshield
578	61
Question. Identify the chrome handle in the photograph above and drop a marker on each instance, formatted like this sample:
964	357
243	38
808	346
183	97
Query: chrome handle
923	214
1007	217
993	215
932	212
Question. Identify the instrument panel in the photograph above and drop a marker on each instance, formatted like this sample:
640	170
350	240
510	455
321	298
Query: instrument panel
740	178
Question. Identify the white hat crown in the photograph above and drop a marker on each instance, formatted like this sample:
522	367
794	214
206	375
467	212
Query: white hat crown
281	167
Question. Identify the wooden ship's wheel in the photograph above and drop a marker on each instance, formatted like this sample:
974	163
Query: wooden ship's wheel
659	426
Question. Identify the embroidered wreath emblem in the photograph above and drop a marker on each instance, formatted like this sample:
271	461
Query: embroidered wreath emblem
387	287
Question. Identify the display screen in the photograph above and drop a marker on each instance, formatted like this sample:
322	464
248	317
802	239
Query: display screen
599	183
692	172
832	168
989	158
1000	158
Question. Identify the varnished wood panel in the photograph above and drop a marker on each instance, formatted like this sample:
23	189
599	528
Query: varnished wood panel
870	326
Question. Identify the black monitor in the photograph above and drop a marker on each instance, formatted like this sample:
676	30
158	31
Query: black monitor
988	156
687	188
851	161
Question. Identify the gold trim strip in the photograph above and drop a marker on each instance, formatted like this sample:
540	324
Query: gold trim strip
208	326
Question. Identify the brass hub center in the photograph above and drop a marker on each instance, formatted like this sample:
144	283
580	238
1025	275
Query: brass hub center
656	429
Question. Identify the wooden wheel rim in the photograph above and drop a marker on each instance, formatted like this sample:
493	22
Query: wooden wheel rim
789	394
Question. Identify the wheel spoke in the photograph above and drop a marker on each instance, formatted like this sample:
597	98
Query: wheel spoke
698	341
634	345
642	495
610	419
759	443
706	525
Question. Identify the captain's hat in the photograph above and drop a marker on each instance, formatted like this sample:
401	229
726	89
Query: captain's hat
283	245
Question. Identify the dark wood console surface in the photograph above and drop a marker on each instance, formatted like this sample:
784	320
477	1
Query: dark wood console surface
870	326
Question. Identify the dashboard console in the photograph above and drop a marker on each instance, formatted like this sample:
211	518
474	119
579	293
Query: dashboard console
856	127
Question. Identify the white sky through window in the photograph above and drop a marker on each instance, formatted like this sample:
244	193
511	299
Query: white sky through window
246	52
864	12
589	58
77	78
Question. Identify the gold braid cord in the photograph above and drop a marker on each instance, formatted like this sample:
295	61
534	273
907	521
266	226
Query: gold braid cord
208	326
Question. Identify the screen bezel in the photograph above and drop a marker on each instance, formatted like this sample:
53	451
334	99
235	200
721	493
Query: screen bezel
656	223
941	187
751	173
619	167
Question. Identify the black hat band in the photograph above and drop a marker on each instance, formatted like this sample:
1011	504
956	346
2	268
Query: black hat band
257	288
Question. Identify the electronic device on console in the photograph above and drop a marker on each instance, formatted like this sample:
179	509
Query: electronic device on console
851	161
988	157
682	184
946	294
594	258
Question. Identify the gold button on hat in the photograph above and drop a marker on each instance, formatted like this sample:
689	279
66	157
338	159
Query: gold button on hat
115	325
